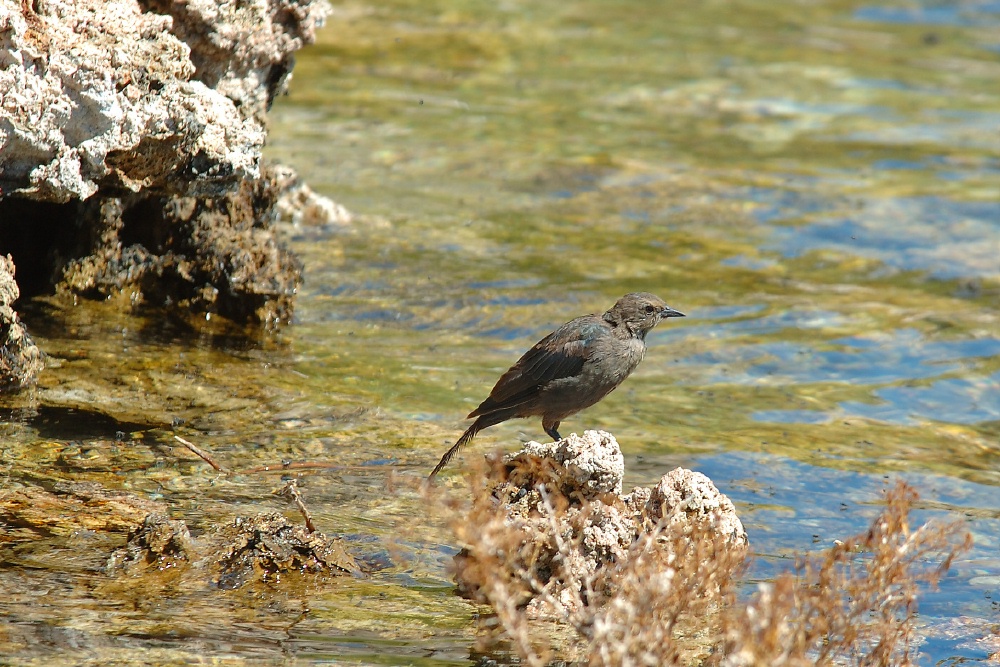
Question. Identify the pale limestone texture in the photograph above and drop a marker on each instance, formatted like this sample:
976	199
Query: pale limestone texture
300	206
97	94
595	459
131	134
683	495
562	503
244	50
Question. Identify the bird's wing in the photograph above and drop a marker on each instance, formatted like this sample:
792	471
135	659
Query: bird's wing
560	354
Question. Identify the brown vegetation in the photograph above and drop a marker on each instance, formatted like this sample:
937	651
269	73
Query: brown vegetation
672	600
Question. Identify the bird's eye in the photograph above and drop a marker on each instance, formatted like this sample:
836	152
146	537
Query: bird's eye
649	308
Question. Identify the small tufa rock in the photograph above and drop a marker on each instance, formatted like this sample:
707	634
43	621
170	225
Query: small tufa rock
594	460
245	550
300	206
551	515
268	544
159	542
684	496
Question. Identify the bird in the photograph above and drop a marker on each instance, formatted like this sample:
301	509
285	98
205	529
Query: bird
572	368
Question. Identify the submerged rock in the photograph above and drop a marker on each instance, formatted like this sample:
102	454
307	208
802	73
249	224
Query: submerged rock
159	542
268	544
550	531
230	555
71	507
248	549
194	254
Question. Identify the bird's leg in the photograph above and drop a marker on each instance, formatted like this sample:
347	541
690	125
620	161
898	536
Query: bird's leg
552	428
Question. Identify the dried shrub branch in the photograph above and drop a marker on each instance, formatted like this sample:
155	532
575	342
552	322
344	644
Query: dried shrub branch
854	604
640	602
670	597
662	604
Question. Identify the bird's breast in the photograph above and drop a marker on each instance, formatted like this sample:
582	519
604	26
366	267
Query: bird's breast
612	363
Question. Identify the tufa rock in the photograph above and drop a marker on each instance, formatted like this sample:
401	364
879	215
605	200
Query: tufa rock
595	461
300	206
267	544
552	515
244	50
243	551
100	95
130	151
200	255
160	543
682	497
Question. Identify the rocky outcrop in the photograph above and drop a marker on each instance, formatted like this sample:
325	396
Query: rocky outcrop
103	96
130	150
243	50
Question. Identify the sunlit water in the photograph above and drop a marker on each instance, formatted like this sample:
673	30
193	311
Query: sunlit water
817	186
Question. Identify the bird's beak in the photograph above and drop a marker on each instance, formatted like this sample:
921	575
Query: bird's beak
670	312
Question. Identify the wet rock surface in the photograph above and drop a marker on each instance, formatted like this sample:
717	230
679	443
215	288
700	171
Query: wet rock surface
70	507
228	555
269	544
159	543
191	254
247	549
555	513
20	359
130	152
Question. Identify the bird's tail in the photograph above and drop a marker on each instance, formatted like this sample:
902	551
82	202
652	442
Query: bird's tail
469	434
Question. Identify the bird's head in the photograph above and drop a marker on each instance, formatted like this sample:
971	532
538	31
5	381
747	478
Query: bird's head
639	312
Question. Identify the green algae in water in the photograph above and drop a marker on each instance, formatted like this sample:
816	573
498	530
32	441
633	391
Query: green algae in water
814	185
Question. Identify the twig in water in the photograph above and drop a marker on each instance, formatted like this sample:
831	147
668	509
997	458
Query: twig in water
285	466
205	456
290	490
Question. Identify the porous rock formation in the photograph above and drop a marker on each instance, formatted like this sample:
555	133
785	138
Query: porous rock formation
551	529
231	555
247	549
20	359
130	150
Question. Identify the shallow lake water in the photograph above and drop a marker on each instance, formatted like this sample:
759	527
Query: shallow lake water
816	185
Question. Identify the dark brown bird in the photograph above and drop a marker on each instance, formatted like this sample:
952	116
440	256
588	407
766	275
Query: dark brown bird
572	368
